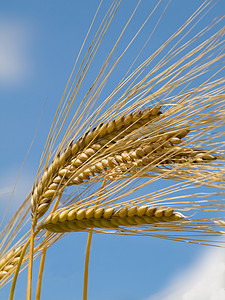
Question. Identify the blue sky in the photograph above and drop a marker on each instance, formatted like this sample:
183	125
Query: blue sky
39	42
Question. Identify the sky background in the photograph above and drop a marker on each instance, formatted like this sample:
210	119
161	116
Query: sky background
39	42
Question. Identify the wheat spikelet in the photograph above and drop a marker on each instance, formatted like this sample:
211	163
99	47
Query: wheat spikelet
84	219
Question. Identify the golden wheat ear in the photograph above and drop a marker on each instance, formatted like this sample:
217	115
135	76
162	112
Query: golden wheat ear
108	218
9	262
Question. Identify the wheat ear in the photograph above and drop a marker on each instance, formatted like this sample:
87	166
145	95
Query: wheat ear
145	158
9	261
84	219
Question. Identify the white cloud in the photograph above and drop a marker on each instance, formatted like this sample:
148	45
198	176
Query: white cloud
5	191
15	62
22	189
205	280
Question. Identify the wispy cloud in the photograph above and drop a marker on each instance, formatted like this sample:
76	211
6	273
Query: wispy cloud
7	183
5	191
15	58
204	280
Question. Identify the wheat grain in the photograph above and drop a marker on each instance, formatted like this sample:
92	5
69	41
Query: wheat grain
84	219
